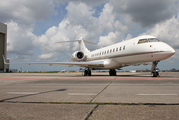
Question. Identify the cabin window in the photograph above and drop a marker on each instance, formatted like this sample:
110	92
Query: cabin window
120	49
142	41
110	50
153	40
148	40
116	49
107	51
124	48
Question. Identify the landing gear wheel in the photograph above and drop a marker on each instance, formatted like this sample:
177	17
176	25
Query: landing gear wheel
87	72
112	72
154	74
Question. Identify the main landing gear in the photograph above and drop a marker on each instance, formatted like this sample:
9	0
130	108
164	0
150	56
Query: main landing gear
87	72
154	72
112	72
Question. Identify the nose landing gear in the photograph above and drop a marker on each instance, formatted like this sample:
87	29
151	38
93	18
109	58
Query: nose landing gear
154	72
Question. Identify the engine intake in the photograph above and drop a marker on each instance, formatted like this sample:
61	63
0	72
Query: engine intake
78	56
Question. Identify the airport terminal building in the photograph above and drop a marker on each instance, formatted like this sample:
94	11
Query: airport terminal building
3	48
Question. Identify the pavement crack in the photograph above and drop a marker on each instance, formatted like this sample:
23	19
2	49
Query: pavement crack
27	95
102	90
90	113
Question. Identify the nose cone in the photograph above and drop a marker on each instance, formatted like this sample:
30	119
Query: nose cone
166	50
171	50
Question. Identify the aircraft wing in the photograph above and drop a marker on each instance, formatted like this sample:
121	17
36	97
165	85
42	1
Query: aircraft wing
70	64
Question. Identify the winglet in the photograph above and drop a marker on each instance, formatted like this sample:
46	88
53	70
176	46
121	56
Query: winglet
4	59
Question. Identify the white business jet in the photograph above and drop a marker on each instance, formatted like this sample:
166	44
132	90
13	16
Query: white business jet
136	51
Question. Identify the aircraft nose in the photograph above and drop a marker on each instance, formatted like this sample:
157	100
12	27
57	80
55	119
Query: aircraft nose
171	50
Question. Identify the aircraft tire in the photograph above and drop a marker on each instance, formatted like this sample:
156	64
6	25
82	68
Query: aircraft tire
89	72
112	72
85	73
154	74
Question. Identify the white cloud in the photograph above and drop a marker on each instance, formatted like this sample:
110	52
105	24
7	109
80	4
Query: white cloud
129	36
167	31
79	22
120	27
25	12
20	17
109	39
87	2
19	39
145	12
46	56
48	41
107	18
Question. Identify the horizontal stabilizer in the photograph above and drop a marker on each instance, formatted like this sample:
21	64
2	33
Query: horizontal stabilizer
78	41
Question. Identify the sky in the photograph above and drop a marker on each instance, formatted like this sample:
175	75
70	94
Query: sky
35	27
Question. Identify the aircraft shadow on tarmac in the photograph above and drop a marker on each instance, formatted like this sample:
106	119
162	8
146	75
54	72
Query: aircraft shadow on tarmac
58	90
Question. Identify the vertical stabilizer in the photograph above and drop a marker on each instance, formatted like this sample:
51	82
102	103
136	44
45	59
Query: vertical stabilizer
83	47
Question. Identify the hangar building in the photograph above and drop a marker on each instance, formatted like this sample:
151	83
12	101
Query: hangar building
3	48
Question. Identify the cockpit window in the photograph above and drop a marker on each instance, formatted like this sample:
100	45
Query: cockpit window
142	41
153	40
148	40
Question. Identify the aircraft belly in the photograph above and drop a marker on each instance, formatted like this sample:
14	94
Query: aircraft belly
148	57
122	61
134	59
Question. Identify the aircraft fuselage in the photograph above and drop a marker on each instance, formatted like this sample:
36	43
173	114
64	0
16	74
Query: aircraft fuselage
136	51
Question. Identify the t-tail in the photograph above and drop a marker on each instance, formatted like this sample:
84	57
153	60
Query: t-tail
82	54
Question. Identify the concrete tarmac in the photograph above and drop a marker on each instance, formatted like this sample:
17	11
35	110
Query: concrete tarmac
100	96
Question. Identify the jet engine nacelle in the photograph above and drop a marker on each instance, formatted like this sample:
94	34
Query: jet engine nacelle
78	56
